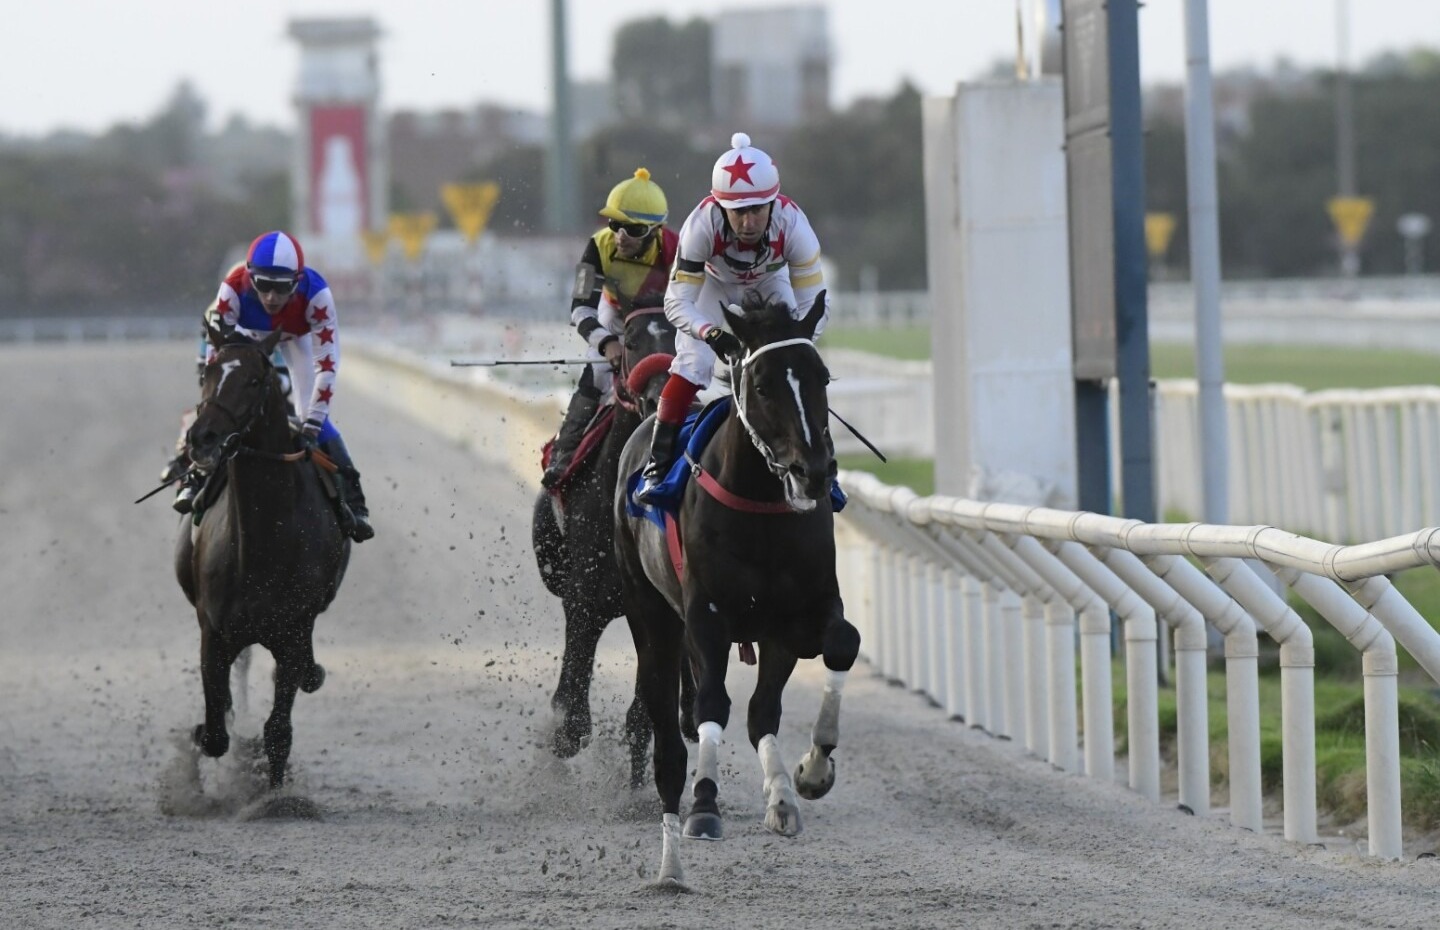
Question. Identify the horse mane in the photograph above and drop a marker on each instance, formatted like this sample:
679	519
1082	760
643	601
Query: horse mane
761	320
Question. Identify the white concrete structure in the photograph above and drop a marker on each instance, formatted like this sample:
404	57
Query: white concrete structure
1000	291
340	173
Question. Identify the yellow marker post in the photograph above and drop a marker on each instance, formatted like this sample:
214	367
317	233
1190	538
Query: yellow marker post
377	243
1351	216
412	229
470	206
1159	228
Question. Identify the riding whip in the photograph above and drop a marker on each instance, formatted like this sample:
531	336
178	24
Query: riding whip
493	362
157	490
856	433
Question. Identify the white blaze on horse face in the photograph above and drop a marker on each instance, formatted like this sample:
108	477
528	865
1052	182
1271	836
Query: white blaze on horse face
655	329
227	368
795	388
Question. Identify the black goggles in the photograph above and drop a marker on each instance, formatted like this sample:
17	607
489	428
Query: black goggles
273	285
633	230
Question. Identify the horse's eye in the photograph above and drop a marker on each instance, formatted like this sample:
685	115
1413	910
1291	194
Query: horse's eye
762	390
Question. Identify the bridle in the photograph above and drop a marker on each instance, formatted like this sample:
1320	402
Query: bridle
737	392
623	395
233	444
230	446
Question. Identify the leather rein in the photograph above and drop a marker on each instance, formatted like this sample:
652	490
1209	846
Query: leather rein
233	444
708	482
623	395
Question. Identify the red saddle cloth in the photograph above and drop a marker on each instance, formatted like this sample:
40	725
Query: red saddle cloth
595	434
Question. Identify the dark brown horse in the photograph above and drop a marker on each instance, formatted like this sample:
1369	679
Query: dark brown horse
757	526
268	555
573	533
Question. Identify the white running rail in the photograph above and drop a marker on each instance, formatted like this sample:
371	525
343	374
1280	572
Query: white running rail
979	605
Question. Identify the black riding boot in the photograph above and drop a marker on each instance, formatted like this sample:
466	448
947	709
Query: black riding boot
354	496
192	483
662	455
578	415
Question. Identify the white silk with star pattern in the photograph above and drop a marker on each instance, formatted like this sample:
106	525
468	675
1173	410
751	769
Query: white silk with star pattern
789	272
313	356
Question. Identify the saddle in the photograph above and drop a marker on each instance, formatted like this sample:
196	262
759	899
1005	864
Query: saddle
699	428
331	482
594	435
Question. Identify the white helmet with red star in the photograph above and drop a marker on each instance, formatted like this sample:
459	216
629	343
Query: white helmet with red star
744	176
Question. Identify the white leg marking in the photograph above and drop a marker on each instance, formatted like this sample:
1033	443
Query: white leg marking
782	807
827	724
815	775
709	763
671	872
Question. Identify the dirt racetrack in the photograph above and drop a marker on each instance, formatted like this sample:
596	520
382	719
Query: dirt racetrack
423	750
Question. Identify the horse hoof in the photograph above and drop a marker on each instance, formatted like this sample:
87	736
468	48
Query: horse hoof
212	746
783	818
313	679
704	827
281	807
814	789
568	739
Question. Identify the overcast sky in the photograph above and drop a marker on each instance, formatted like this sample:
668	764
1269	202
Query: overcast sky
88	64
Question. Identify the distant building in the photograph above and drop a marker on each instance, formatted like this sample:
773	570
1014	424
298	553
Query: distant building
340	179
770	67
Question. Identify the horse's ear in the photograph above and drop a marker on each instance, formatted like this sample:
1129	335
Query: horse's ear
732	313
213	334
816	314
267	345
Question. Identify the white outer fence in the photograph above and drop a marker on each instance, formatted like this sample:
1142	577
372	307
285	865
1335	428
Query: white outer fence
979	605
1341	464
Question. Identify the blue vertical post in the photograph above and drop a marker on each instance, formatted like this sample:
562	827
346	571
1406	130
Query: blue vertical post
1132	328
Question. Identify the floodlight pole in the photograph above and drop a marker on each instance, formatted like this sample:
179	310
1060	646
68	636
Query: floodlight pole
1205	261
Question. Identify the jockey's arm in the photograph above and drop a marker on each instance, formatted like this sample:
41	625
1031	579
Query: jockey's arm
324	344
687	276
586	298
807	276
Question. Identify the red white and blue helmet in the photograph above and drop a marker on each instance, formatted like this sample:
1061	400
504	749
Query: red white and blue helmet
276	255
744	176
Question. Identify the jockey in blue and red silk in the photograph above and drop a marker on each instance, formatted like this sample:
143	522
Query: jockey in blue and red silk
745	236
275	290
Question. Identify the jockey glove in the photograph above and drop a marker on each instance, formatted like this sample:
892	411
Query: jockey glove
310	437
724	345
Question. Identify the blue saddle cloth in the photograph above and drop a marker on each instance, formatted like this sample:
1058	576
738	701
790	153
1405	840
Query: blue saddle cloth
695	434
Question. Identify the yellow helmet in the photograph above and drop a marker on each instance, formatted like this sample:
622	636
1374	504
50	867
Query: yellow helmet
637	200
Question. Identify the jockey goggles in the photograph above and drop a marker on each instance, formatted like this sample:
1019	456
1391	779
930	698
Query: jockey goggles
274	285
633	230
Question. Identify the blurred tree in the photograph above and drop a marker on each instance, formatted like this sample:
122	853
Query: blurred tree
612	155
1277	168
661	72
859	177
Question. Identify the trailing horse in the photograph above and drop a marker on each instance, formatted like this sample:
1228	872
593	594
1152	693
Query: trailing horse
756	527
573	533
268	554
